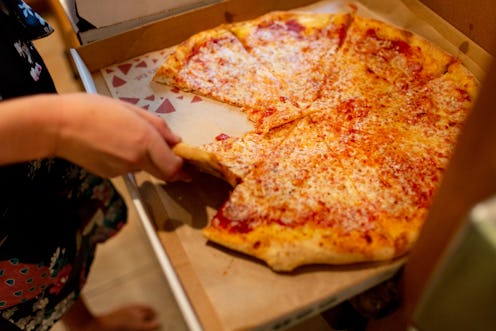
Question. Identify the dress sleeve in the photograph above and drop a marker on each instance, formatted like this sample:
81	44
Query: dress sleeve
30	23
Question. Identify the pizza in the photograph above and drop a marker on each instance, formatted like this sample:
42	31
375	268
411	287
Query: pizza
355	121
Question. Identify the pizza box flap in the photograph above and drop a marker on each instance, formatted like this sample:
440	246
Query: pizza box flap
227	290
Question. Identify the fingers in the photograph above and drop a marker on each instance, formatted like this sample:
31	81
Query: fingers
159	124
158	158
164	163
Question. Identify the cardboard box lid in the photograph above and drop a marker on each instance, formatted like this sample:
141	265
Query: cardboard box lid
102	13
94	20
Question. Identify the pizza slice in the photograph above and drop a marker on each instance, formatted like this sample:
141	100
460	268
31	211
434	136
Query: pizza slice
292	45
239	154
392	54
232	158
356	99
395	172
215	64
439	107
416	87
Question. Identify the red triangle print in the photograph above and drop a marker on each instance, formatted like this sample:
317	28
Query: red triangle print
196	99
180	97
117	81
124	68
142	64
146	107
166	107
174	90
109	71
130	100
150	97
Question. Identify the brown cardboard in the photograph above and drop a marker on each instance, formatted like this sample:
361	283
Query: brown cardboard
102	13
475	19
111	17
213	277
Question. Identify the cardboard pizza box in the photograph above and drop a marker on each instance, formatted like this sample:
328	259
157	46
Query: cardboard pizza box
217	289
93	20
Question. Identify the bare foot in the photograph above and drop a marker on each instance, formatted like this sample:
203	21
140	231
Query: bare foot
130	318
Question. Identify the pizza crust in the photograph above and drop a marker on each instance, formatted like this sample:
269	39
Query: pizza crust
205	161
285	248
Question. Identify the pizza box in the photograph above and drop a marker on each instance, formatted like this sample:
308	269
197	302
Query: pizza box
93	20
217	289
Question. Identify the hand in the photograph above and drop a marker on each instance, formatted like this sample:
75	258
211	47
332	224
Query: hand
110	137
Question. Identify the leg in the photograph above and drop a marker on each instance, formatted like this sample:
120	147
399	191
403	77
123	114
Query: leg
130	318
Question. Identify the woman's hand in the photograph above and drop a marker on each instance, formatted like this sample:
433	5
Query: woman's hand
103	135
110	137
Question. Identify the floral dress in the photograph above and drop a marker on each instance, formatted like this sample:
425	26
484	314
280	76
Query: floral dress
52	213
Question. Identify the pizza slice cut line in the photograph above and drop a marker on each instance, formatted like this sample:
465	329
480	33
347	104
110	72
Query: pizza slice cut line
215	64
292	46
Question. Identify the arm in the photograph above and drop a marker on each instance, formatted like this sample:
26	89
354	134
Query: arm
106	136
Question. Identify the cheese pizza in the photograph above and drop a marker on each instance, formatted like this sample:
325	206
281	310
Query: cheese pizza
355	122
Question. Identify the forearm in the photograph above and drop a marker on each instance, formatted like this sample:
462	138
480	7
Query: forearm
107	137
28	127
